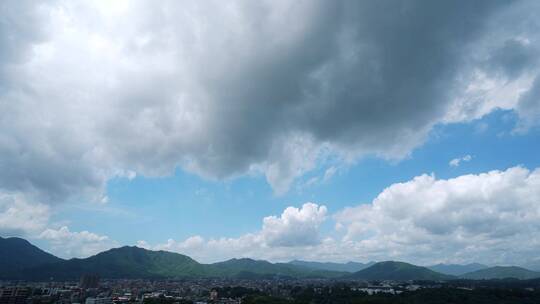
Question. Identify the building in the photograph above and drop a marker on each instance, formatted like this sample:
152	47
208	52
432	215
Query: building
14	295
213	295
91	300
89	281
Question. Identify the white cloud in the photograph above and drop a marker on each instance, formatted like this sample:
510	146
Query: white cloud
490	217
217	249
76	244
296	156
225	90
18	217
329	173
457	161
143	244
22	217
295	227
529	107
272	87
295	230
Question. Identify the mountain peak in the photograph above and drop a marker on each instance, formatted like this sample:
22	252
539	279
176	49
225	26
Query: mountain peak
502	272
331	266
17	254
20	259
399	271
457	269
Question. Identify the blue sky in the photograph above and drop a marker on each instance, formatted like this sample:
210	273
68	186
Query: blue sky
277	130
185	204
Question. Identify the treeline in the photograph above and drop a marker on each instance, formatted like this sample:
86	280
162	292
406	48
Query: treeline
423	296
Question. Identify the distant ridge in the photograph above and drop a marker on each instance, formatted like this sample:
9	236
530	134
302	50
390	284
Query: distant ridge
456	269
398	271
343	267
534	266
123	262
21	260
17	254
134	262
249	267
502	272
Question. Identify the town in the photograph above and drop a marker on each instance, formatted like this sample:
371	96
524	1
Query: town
92	290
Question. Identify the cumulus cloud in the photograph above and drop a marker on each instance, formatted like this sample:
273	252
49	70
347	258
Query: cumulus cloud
216	249
295	230
491	217
68	243
457	161
295	227
221	90
18	217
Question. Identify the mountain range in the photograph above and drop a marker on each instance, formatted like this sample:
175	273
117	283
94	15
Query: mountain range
135	262
501	272
19	259
399	271
342	267
457	269
17	254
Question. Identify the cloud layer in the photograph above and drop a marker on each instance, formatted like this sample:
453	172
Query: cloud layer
92	90
20	217
491	217
99	89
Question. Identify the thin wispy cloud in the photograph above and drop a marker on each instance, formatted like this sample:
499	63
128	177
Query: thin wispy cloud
457	161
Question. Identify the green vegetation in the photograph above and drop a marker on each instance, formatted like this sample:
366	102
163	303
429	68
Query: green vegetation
17	254
341	267
249	268
424	296
455	269
236	292
261	299
124	262
165	300
500	272
398	271
133	262
21	260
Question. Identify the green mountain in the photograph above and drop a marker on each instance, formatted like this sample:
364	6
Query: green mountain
124	262
534	266
17	254
501	272
21	260
341	267
398	271
253	268
457	269
134	262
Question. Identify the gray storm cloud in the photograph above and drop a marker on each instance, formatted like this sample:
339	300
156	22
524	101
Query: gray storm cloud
92	90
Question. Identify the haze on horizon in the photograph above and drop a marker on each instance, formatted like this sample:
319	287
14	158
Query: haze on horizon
279	130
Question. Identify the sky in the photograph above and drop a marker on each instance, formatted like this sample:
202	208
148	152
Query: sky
278	130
